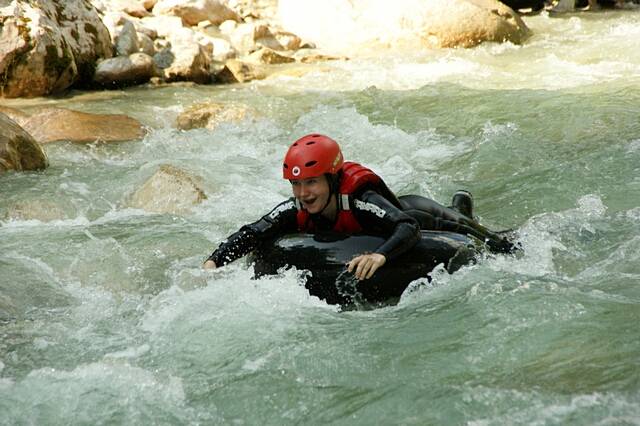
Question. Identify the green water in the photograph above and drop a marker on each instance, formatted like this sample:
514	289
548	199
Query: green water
107	318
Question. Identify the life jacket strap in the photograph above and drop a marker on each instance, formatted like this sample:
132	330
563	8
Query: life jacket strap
345	202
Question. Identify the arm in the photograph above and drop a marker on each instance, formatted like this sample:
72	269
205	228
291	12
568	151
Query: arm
278	221
376	213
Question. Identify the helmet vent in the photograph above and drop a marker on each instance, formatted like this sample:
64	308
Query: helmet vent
285	166
310	143
310	163
295	144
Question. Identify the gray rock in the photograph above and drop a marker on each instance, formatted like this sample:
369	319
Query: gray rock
127	40
146	44
124	70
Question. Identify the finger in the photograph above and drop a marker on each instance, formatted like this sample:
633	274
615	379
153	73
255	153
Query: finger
372	271
363	268
353	263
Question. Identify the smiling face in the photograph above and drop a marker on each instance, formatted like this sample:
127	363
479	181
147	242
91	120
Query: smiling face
313	193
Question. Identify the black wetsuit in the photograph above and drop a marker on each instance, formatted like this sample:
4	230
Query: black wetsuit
375	214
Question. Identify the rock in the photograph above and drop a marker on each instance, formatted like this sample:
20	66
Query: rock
46	47
244	36
351	24
228	26
193	11
222	49
164	26
149	4
281	41
44	211
164	58
130	7
268	56
125	70
211	35
210	115
524	4
235	71
191	61
18	149
169	190
15	114
146	44
58	124
127	40
310	59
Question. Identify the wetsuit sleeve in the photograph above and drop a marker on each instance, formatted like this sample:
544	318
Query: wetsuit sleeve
280	220
374	212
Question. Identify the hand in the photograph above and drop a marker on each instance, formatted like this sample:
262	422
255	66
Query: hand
209	264
366	265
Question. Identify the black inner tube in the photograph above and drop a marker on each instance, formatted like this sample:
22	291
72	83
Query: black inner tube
326	254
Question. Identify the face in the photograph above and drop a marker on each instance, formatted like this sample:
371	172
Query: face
313	193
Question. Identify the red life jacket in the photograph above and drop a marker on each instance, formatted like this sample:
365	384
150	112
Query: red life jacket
354	177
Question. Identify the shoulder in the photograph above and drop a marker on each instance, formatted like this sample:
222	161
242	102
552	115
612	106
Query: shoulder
371	202
287	206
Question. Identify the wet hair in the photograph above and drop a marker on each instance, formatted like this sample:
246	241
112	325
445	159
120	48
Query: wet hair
334	181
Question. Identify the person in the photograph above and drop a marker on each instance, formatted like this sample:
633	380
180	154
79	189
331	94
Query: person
330	194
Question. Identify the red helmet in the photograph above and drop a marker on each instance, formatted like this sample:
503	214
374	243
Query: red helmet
312	156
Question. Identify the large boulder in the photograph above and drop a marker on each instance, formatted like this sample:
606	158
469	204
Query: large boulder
169	190
191	60
18	150
36	209
194	11
125	70
59	124
49	45
351	24
210	115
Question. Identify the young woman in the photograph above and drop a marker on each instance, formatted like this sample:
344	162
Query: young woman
330	194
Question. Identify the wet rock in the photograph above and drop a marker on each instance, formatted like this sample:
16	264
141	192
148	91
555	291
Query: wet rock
235	71
470	23
268	56
18	149
42	210
193	11
125	70
210	115
58	124
46	47
409	23
127	40
169	190
15	114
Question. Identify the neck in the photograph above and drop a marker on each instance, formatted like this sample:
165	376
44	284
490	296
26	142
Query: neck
331	209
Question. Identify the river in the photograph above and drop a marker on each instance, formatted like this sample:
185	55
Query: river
107	318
